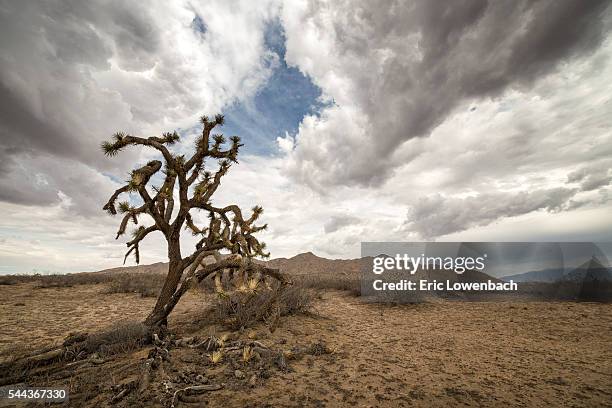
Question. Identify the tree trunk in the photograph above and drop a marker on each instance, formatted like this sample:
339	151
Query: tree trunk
159	314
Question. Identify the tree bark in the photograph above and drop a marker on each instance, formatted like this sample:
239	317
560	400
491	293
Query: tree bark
159	315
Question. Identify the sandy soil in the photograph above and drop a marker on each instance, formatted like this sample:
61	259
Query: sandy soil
435	354
33	317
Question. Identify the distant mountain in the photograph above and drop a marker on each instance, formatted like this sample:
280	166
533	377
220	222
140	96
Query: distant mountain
156	268
302	264
311	264
593	270
544	275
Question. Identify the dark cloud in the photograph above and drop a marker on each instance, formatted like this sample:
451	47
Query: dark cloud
49	102
410	64
479	48
592	177
337	222
437	215
21	130
43	180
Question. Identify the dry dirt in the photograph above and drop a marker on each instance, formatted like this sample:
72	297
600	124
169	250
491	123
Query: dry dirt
434	354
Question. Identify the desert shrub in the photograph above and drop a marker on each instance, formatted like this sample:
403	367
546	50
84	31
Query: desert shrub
242	309
69	280
16	279
56	280
208	285
148	285
122	337
350	284
318	349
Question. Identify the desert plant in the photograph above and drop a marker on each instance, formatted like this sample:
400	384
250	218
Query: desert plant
227	230
70	280
121	337
16	279
350	284
147	285
240	309
222	340
216	356
247	354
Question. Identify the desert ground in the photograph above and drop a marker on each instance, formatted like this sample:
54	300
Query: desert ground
442	353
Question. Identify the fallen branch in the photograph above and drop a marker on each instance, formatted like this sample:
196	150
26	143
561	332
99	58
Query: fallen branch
195	389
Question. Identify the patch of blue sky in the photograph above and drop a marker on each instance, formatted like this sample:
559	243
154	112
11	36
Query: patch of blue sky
278	107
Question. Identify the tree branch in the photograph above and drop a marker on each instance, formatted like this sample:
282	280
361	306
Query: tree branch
110	205
139	235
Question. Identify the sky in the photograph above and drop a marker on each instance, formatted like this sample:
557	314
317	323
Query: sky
470	120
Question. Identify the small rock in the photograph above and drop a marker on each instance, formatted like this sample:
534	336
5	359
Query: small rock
238	374
558	381
253	380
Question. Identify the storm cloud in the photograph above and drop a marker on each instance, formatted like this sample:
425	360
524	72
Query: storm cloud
436	215
395	71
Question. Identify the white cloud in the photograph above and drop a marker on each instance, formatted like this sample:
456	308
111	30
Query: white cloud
93	68
474	126
285	144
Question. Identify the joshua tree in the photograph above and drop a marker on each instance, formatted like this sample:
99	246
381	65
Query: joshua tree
227	230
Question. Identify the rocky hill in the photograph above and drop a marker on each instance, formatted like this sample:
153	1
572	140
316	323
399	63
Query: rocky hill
302	264
311	264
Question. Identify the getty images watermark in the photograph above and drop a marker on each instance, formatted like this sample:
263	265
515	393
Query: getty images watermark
417	271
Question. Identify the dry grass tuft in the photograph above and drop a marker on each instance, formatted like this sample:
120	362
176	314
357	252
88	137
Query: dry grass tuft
216	357
56	280
6	280
123	337
347	283
241	310
69	280
148	285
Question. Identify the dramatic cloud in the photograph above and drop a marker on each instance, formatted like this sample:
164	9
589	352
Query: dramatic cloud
397	72
437	215
72	73
468	119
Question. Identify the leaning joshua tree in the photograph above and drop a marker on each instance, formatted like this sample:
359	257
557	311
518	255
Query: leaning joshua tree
186	185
